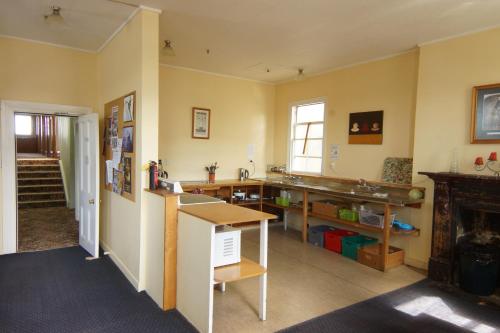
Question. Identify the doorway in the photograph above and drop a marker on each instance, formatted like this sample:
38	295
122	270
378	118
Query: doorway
83	197
45	155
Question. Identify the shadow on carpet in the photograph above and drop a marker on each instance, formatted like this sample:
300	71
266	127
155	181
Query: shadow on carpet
421	307
59	291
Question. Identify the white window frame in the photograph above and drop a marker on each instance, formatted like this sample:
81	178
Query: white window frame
291	109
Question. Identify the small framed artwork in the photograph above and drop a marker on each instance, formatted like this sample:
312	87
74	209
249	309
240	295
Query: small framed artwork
128	108
366	127
201	123
485	122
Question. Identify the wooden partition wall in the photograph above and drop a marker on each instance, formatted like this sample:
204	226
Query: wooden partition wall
43	140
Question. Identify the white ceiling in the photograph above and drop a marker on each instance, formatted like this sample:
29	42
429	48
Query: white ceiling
247	37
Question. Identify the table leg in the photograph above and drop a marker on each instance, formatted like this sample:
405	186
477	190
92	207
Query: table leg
386	235
305	212
285	219
263	263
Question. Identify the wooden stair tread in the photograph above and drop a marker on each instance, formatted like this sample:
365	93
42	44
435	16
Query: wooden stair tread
38	185
40	193
43	201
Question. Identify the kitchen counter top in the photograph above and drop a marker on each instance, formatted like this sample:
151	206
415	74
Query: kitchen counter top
186	198
396	195
222	213
190	185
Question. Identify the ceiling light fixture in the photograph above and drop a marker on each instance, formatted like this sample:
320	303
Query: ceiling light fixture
54	18
167	49
300	74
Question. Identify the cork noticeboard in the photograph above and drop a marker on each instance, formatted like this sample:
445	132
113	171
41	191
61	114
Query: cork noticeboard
120	145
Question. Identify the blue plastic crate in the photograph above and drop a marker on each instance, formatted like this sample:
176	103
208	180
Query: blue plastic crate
315	234
351	244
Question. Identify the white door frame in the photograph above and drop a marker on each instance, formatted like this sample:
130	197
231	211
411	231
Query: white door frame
8	159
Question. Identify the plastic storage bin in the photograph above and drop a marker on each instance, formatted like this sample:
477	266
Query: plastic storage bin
315	234
350	245
348	215
373	219
333	239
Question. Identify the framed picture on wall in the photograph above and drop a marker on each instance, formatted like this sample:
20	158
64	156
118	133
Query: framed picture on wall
366	127
485	122
200	128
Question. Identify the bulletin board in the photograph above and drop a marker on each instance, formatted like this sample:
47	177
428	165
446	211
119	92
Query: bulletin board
120	145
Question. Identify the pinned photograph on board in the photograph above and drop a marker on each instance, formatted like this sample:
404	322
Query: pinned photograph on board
127	174
117	181
114	121
128	139
128	108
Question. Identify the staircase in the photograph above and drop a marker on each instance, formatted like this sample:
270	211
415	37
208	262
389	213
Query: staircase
39	183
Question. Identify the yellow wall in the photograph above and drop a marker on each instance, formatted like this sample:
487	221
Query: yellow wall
388	85
241	114
130	63
448	71
42	73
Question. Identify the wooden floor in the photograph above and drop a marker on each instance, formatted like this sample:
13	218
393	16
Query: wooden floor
303	282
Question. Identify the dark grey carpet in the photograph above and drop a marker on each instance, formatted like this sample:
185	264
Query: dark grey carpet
59	291
379	314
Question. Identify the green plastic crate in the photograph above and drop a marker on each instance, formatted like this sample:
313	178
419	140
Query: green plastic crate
351	244
348	215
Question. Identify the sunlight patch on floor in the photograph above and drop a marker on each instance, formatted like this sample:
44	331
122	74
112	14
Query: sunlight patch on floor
437	308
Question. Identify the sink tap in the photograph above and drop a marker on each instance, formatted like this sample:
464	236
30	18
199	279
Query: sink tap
362	182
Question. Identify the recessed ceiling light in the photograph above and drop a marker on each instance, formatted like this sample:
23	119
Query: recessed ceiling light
55	17
167	49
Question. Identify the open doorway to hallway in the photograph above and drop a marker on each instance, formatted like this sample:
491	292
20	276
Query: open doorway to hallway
45	149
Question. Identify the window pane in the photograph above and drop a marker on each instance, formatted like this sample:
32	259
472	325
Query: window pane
300	131
305	164
23	125
311	112
298	146
314	148
315	131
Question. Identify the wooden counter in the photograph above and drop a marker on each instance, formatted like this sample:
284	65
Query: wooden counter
222	213
188	186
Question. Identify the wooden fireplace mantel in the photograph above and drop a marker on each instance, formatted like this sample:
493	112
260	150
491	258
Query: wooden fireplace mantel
452	190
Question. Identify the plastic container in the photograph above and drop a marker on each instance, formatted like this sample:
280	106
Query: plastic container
333	239
315	234
478	269
351	245
348	215
373	219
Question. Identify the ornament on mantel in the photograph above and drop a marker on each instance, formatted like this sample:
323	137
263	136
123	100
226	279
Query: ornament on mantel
491	164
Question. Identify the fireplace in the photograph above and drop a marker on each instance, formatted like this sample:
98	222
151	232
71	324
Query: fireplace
466	210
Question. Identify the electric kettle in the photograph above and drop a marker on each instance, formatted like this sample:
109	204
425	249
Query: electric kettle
244	174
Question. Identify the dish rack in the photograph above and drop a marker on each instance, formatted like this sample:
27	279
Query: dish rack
374	219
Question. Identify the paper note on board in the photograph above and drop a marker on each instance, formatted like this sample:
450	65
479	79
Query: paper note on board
117	156
109	171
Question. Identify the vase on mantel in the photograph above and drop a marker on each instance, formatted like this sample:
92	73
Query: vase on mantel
211	177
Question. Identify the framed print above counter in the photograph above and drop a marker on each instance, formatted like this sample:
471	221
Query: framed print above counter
200	128
485	122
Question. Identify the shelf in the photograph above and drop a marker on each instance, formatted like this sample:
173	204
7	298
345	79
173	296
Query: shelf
272	204
246	203
359	226
242	270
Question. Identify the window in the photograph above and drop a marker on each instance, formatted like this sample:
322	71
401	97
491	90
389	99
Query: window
23	125
306	131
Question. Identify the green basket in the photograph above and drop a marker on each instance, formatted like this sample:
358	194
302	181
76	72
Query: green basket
348	215
351	244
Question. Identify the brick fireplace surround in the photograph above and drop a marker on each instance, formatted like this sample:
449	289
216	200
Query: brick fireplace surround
453	192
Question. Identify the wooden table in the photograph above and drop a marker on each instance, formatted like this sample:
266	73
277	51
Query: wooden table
196	274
